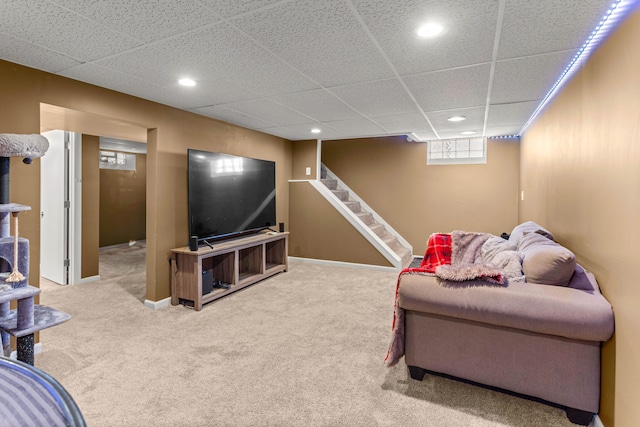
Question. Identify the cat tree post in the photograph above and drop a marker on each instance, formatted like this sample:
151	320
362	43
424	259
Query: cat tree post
14	255
5	226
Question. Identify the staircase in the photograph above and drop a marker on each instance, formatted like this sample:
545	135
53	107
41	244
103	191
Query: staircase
389	242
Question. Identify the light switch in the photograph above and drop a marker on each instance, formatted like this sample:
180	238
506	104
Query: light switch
308	171
522	195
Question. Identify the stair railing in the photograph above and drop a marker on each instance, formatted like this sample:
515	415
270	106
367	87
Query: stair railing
389	254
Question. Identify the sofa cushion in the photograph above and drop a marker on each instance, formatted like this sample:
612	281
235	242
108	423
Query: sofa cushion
544	261
526	227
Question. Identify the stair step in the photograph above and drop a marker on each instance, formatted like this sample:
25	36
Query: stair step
393	243
323	173
366	217
341	194
406	256
331	184
378	229
353	206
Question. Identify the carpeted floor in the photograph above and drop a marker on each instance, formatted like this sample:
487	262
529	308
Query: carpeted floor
304	348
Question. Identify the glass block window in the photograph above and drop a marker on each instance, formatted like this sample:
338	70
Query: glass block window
117	160
457	151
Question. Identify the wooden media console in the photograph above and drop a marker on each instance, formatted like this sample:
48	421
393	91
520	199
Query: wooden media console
230	264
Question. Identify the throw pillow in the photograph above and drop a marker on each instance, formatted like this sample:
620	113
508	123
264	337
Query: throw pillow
529	227
545	261
494	246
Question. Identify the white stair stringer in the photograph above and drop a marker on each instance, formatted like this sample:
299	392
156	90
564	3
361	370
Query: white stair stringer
381	235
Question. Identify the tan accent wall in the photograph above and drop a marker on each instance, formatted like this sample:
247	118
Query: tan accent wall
305	155
90	206
318	231
580	171
392	176
123	204
170	133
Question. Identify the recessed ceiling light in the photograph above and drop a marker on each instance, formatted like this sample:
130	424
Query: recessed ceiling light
468	132
456	118
430	29
187	82
315	130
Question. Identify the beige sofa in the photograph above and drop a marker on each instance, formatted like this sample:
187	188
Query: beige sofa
540	339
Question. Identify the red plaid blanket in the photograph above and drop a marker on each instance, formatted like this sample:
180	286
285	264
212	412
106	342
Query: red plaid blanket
438	253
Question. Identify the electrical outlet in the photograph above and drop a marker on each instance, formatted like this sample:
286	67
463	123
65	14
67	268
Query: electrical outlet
308	171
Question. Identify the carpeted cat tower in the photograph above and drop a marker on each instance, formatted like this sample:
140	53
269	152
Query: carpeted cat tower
28	317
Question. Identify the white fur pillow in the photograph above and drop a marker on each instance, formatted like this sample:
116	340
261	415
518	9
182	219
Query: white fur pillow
504	255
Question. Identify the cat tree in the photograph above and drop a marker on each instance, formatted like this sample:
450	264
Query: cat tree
28	317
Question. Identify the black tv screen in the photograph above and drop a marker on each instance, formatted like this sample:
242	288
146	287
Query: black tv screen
229	195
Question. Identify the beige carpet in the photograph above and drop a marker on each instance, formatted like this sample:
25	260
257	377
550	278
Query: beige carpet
304	348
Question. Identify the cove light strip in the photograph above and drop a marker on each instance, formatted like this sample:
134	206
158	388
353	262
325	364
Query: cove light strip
616	12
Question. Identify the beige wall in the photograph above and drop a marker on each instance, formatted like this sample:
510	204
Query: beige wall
123	204
318	231
392	176
90	206
170	133
580	170
305	155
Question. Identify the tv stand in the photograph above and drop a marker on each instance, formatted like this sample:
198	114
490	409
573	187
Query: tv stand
234	264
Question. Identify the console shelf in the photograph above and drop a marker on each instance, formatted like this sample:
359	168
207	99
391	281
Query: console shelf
237	263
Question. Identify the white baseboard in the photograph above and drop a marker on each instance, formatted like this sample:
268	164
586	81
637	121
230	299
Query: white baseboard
88	279
156	305
597	422
37	349
342	264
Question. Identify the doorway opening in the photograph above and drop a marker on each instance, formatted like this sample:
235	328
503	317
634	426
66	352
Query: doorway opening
72	222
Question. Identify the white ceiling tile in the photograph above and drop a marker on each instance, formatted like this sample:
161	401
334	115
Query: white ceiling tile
362	127
542	26
528	78
474	119
145	20
269	111
449	134
234	117
229	8
213	91
405	123
217	52
503	130
511	114
157	65
425	136
303	132
382	97
33	56
225	52
61	30
319	104
124	83
286	133
394	25
456	88
323	39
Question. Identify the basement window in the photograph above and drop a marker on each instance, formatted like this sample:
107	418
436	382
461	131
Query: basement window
458	151
118	161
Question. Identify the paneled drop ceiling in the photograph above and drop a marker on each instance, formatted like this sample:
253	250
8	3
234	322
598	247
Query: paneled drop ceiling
350	68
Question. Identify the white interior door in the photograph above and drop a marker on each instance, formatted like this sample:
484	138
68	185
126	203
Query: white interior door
53	213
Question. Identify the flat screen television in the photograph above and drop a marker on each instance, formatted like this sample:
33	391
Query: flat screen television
229	195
